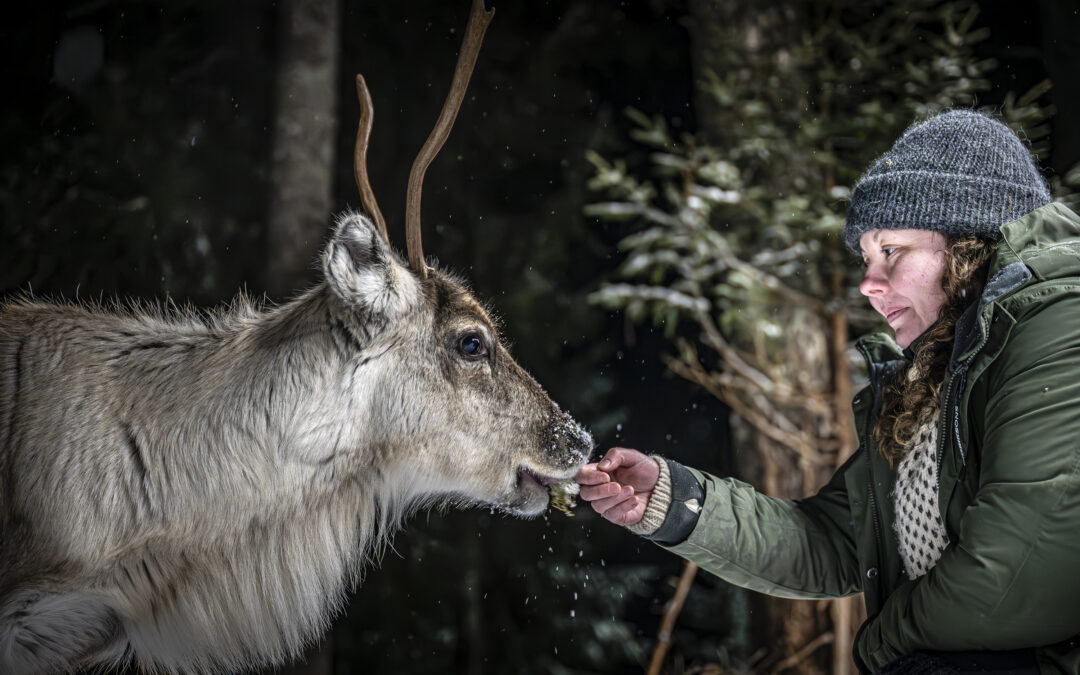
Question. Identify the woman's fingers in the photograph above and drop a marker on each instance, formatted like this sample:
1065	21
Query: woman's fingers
591	493
628	511
589	475
615	502
610	497
620	457
630	467
605	504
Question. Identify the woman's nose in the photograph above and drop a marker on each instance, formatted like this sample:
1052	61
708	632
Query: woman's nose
873	282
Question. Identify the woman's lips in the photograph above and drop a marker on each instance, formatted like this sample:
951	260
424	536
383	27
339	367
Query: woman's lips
892	312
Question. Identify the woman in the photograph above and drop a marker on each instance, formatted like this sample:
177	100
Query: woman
959	515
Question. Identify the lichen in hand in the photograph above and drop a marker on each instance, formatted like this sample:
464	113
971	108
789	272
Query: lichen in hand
562	496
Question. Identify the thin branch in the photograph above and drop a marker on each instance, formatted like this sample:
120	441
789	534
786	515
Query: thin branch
841	378
823	438
841	609
801	655
740	364
736	362
671	613
360	172
774	283
811	403
479	18
767	424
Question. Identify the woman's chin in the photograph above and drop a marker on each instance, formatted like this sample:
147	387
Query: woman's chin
905	334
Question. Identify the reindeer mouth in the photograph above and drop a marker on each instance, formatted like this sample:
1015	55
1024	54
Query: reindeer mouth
540	479
530	494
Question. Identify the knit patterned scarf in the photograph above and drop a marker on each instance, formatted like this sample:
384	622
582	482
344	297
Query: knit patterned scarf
918	525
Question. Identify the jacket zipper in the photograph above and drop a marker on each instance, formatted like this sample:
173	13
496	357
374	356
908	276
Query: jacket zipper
954	414
874	514
943	426
870	487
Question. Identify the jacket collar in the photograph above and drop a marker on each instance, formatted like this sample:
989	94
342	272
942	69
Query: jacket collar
883	358
1047	240
1044	244
970	330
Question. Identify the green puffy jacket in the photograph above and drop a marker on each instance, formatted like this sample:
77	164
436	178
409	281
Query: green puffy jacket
1009	467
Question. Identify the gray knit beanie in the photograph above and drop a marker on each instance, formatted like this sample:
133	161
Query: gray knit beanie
959	173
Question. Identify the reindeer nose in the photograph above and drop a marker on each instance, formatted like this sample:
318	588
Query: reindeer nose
569	439
581	441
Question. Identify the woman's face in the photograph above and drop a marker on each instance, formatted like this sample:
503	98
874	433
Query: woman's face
904	269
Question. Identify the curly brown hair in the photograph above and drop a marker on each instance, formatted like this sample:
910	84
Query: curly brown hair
912	395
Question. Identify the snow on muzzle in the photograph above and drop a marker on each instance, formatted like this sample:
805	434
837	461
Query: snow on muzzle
566	443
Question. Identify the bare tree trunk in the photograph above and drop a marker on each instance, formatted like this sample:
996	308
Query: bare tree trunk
797	633
1061	49
301	175
847	613
807	350
305	126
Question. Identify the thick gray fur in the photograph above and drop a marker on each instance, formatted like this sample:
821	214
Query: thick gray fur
189	492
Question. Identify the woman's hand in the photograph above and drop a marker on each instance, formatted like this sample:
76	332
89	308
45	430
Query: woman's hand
619	485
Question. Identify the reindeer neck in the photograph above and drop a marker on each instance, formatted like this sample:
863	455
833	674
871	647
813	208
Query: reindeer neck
278	365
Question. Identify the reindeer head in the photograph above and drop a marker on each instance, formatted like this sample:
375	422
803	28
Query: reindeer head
451	404
448	406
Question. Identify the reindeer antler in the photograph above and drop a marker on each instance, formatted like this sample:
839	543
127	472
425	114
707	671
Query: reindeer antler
479	18
363	135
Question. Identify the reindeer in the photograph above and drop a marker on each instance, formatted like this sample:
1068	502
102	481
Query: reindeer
193	492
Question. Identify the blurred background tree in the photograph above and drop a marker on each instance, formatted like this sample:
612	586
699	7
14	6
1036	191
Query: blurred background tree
141	154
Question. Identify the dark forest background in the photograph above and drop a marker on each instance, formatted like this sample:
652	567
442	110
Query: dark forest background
137	159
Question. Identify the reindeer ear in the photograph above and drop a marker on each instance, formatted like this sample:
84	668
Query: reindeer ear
364	272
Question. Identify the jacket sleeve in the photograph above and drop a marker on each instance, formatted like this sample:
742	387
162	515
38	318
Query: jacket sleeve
1009	581
788	548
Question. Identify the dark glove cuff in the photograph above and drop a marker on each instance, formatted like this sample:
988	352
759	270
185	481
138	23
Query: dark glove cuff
687	499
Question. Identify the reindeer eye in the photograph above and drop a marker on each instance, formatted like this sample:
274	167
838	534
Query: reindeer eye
472	345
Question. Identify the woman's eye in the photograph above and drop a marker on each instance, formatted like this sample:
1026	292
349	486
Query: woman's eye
472	345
